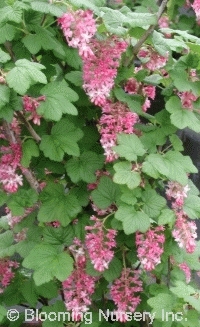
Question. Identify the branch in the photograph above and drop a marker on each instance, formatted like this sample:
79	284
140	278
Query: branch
28	174
9	133
36	137
8	46
151	28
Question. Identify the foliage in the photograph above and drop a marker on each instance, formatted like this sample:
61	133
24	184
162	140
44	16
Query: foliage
99	209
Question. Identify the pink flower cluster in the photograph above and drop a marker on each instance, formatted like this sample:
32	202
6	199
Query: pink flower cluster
177	192
150	247
100	57
21	236
116	118
78	28
100	69
123	292
99	174
186	269
13	220
30	105
10	160
132	86
196	8
6	272
79	286
99	244
10	179
184	232
151	59
187	99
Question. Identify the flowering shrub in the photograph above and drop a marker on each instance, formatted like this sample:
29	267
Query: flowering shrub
99	208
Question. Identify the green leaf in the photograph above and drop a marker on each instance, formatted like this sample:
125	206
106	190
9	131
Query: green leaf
106	193
132	220
152	138
58	101
72	58
153	203
63	139
58	309
90	269
192	206
187	293
114	270
4	95
58	236
3	198
79	226
136	19
4	57
11	13
29	292
75	77
173	165
82	193
125	175
7	248
129	146
43	39
192	259
3	313
57	205
84	167
176	142
160	303
47	290
114	21
47	263
21	200
29	149
7	32
130	196
178	166
160	43
134	102
167	216
182	117
87	4
46	8
26	73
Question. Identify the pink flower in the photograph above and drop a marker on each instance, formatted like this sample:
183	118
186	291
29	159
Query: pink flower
132	86
78	28
10	179
79	286
150	247
151	59
100	244
116	118
178	192
185	268
163	22
196	7
187	99
100	69
6	272
30	105
185	232
123	292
